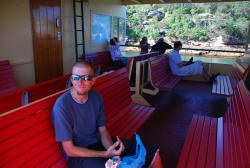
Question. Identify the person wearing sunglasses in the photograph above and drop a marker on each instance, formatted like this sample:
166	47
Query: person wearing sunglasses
79	121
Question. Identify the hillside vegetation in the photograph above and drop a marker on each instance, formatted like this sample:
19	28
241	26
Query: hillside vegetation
203	22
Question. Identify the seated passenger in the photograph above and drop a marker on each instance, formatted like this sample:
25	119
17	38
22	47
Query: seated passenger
161	46
115	52
180	68
80	124
144	45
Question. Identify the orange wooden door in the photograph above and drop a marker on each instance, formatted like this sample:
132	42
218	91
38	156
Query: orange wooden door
47	39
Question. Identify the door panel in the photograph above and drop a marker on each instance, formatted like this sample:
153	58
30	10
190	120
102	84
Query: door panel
47	46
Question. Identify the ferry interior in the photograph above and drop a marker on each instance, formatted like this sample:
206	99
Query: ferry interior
192	122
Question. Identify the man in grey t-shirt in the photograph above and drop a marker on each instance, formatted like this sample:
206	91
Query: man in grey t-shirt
79	122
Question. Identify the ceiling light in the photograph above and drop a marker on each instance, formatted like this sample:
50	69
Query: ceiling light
162	1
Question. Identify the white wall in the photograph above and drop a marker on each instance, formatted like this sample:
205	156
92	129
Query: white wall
68	39
16	39
107	7
16	34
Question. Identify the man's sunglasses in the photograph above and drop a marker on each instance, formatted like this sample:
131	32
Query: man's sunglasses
83	77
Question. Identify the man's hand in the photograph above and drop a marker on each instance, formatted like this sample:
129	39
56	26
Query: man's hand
112	151
183	63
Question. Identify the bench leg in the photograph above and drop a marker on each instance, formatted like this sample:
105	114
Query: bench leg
137	98
228	99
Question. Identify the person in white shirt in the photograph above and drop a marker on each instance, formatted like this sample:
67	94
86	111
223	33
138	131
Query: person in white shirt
182	68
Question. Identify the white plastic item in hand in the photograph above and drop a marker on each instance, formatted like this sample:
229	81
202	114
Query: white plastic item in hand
112	163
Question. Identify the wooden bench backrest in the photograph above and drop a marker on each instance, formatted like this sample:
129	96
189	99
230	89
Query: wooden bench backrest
236	129
99	59
7	80
133	64
12	100
114	88
26	133
32	93
124	117
40	90
27	136
237	73
159	66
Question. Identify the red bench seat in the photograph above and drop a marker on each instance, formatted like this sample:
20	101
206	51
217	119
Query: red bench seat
32	93
236	130
223	142
237	73
7	80
12	100
27	135
160	73
225	84
101	61
222	86
200	145
46	88
119	106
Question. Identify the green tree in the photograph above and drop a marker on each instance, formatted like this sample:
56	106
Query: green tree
190	21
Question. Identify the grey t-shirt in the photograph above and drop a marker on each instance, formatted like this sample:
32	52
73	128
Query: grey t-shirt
78	122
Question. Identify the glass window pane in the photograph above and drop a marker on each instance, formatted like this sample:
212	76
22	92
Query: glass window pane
101	28
115	26
122	30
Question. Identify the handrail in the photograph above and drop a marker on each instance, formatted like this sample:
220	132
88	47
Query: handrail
196	49
201	49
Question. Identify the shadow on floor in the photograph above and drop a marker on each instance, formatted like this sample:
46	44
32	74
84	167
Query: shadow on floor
168	126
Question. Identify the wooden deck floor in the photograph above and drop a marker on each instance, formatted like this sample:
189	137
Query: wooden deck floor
168	126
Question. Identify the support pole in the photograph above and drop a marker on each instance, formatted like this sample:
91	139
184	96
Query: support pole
248	38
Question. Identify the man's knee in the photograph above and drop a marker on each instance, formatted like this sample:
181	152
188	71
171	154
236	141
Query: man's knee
87	162
95	162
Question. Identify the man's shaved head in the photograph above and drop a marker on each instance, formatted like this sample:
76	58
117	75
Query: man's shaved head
82	64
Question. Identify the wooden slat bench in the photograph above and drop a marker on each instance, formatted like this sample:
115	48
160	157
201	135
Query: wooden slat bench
27	135
40	90
156	162
12	100
200	145
132	68
220	142
119	106
237	73
101	61
160	75
224	85
32	93
7	80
